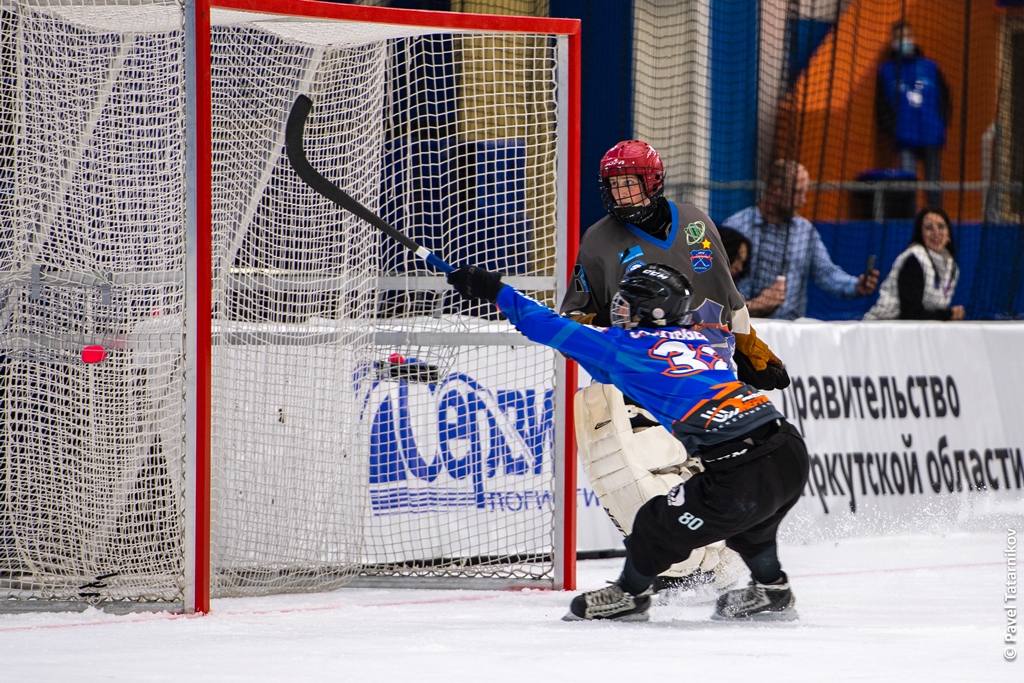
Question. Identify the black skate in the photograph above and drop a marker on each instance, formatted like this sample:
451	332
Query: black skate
758	602
610	602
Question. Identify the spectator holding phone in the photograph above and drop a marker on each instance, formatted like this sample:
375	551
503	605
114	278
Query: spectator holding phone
923	278
784	243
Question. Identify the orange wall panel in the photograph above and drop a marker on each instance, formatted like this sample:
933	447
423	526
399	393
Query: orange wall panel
827	121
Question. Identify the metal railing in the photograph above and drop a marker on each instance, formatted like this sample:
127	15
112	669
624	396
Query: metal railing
878	189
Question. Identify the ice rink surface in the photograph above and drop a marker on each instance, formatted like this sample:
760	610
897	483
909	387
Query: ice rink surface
898	608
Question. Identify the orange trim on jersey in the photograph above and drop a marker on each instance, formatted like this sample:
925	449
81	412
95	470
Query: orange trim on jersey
725	389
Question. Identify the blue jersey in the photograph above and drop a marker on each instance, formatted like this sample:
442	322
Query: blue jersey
673	372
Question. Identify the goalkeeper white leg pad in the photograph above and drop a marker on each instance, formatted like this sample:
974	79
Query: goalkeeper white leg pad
727	565
618	461
626	467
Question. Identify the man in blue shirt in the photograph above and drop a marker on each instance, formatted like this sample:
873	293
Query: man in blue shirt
755	463
786	248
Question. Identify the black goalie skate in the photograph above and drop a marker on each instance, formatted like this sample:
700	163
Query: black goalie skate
758	602
610	602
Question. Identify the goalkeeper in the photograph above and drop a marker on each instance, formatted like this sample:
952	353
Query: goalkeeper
625	461
755	463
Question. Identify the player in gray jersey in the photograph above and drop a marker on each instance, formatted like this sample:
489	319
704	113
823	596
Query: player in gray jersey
642	227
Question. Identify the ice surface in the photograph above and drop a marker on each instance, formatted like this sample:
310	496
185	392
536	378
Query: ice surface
896	608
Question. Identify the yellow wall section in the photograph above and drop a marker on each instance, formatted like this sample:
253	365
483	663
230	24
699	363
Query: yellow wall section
528	8
507	84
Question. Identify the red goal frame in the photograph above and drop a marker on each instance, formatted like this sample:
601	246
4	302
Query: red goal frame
200	266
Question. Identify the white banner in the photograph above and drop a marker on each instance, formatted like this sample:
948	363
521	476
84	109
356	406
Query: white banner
910	426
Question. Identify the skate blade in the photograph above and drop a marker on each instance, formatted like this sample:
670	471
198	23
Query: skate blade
643	616
786	615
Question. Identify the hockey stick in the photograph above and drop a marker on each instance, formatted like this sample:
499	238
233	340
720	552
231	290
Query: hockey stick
297	156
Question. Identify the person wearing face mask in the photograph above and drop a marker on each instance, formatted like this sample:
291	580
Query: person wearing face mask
787	249
923	278
913	107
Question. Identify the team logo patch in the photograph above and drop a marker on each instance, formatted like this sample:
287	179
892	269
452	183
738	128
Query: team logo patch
630	254
701	260
636	265
695	232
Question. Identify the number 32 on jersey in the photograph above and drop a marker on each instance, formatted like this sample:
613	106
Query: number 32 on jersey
684	360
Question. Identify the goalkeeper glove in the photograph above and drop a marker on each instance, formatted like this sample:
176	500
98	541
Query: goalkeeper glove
771	377
757	365
475	283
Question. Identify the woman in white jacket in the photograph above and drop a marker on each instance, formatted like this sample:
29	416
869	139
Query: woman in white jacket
923	278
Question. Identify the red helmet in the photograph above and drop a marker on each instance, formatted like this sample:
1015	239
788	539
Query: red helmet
632	157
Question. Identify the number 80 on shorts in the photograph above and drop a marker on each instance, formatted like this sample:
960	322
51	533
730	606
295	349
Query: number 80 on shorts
690	522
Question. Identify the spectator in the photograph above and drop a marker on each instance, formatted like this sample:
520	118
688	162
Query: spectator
923	278
737	248
785	244
913	106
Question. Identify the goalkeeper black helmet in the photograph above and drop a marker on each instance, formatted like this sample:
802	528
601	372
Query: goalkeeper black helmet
656	295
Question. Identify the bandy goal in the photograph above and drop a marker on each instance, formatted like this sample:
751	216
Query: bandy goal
215	382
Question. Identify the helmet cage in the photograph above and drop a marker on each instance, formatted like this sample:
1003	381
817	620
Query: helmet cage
621	312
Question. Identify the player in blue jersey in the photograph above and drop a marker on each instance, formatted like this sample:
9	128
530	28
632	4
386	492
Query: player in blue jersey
755	463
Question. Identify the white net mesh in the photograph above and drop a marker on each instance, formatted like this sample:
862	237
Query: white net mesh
93	195
365	421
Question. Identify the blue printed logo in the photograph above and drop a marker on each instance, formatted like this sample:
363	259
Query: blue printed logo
456	444
636	265
701	260
630	254
579	279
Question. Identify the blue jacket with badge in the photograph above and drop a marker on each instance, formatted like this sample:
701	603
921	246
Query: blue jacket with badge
913	101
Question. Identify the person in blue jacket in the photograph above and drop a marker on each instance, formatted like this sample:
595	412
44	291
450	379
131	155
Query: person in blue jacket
755	462
913	106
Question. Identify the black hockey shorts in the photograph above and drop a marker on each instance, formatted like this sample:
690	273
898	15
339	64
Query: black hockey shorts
742	505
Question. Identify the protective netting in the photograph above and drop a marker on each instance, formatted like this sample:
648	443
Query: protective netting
91	481
722	88
365	421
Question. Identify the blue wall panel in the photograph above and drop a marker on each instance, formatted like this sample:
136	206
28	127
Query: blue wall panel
734	70
606	88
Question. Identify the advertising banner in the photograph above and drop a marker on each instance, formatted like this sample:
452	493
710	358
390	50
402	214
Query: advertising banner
910	427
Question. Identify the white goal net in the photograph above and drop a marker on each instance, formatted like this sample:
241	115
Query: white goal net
366	423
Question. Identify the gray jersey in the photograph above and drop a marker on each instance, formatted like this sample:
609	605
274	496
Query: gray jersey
611	248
